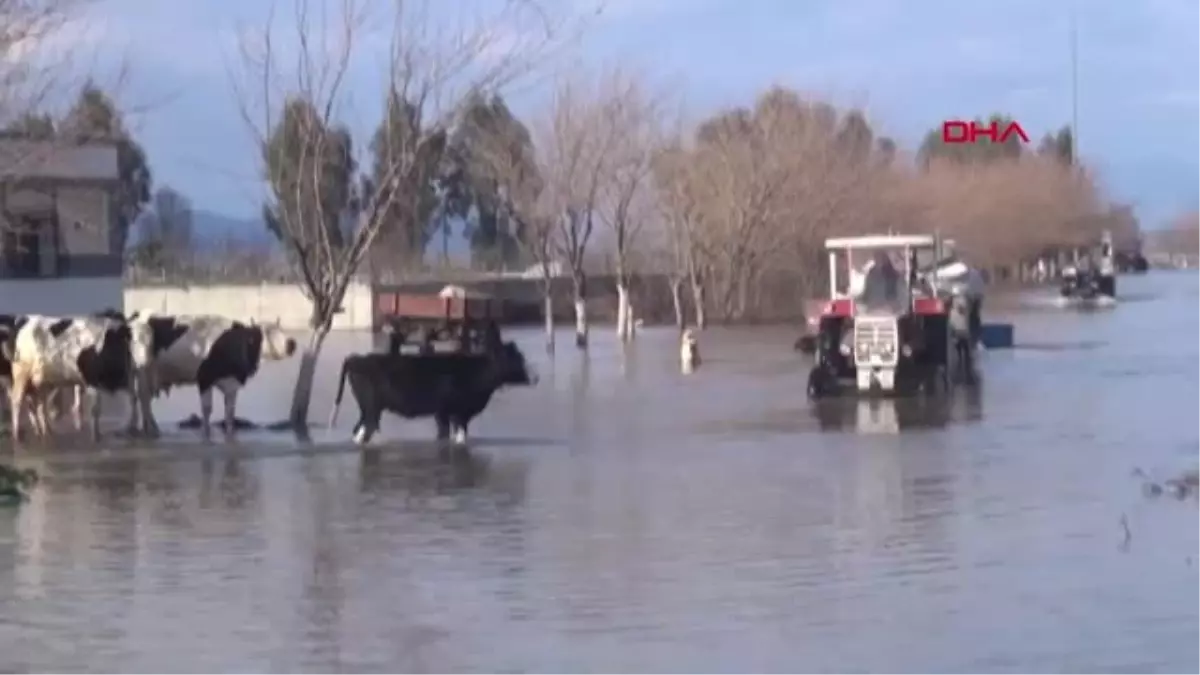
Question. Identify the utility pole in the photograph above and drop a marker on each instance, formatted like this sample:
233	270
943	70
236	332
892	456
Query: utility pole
1074	84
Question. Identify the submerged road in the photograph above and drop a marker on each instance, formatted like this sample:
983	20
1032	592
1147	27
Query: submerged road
622	516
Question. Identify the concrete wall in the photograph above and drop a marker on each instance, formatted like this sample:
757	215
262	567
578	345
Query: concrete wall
263	303
59	297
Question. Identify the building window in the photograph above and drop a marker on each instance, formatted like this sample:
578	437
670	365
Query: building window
30	248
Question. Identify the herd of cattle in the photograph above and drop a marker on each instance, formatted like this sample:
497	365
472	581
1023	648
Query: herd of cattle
143	355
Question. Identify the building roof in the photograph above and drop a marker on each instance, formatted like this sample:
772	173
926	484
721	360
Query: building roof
882	241
23	159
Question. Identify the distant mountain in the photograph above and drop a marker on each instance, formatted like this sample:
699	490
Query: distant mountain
210	229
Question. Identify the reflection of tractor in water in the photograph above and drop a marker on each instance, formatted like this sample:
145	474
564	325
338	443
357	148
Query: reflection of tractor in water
895	328
896	415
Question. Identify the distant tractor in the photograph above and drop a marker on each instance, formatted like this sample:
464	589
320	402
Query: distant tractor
888	331
1092	280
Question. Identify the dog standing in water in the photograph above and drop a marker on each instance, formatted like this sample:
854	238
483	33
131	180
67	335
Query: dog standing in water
689	352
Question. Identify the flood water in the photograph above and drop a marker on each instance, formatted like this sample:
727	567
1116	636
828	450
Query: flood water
622	516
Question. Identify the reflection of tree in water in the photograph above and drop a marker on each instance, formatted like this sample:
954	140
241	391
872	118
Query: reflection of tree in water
323	597
29	531
232	487
116	489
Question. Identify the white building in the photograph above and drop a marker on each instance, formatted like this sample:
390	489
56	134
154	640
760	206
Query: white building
59	247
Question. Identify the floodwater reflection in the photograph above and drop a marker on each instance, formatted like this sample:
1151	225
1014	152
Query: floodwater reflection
894	415
622	516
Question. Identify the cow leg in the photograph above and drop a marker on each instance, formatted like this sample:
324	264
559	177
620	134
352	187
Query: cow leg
133	397
147	386
16	398
93	396
443	426
460	431
77	407
229	392
206	404
363	431
38	416
39	412
368	424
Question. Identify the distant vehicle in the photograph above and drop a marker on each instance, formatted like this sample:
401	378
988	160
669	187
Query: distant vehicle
1131	262
1093	281
895	328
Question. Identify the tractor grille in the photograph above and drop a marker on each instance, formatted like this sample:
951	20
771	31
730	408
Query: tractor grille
875	341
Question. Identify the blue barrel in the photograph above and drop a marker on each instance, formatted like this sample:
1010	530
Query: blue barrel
997	336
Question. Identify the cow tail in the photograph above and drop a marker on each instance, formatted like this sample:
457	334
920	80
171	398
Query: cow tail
337	399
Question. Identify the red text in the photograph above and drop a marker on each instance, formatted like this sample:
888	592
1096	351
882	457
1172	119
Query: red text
958	131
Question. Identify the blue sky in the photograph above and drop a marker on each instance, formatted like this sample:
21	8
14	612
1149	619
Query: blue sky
908	63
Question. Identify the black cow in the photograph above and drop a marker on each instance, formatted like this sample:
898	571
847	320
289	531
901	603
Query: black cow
453	388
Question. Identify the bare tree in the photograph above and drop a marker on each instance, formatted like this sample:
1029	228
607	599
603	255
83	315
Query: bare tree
625	185
679	212
165	233
34	63
502	156
295	100
1008	213
36	69
541	244
575	144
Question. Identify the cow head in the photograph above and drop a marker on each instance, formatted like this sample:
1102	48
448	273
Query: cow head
512	367
110	313
141	342
114	344
276	344
8	337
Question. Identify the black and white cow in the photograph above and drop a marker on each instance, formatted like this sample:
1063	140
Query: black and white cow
207	351
453	388
9	325
50	353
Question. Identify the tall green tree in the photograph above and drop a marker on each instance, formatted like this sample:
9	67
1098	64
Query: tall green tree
1059	146
311	169
408	223
983	149
164	232
488	140
32	126
855	139
94	117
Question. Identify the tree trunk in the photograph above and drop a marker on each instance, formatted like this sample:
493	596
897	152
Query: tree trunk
302	394
677	301
699	303
624	313
548	316
581	319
